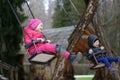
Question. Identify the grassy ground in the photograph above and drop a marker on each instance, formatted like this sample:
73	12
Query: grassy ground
83	79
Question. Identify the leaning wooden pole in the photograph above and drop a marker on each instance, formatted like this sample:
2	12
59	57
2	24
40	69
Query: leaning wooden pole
87	18
65	69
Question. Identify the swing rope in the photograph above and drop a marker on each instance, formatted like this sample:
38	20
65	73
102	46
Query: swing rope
76	9
33	42
65	11
62	6
33	15
71	20
16	16
30	9
13	10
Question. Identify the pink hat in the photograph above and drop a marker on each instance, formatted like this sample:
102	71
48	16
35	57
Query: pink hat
34	22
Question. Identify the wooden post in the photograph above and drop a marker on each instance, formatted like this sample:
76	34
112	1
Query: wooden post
16	73
100	33
11	74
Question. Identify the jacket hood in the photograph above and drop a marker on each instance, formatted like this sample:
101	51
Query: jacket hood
91	39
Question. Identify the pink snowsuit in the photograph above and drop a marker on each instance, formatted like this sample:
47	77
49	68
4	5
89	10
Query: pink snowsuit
41	46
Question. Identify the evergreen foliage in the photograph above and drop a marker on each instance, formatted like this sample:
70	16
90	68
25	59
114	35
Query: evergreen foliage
10	30
61	19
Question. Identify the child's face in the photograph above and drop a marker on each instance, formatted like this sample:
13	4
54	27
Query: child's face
96	43
39	27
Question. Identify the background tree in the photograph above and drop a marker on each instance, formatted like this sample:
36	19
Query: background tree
108	13
10	32
60	19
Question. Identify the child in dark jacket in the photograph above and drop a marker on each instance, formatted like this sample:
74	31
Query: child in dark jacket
96	48
33	32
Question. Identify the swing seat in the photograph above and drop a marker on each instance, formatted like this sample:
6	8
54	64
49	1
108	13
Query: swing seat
97	66
42	58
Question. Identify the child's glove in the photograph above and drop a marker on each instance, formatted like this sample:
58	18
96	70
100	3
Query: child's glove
41	39
102	47
90	51
48	41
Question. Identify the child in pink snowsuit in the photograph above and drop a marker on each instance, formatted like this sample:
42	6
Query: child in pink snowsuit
32	32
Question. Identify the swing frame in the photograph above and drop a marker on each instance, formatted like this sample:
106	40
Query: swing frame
96	65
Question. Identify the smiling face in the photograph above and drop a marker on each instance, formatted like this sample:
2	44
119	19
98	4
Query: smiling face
39	27
96	43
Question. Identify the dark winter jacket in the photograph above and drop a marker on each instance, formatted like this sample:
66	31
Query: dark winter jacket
33	35
96	51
